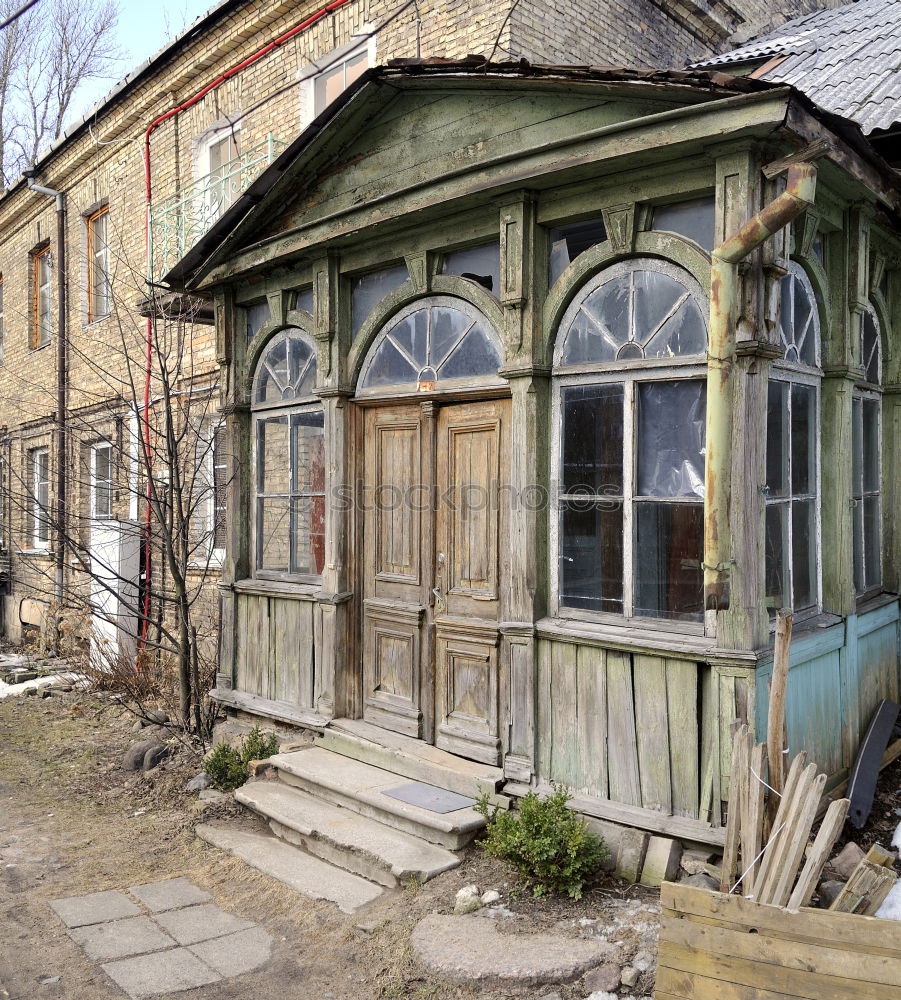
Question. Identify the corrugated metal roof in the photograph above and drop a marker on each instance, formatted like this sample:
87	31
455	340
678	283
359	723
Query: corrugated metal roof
846	60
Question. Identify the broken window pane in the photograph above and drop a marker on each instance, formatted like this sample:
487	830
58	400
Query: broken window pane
692	219
274	533
481	264
804	553
309	452
776	558
255	315
302	301
803	433
430	345
367	290
568	242
671	435
869	347
592	440
777	439
591	555
632	312
669	580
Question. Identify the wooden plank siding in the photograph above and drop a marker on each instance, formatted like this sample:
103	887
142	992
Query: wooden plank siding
275	649
620	726
837	677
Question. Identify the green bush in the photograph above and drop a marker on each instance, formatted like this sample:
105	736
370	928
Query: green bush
227	767
545	841
257	746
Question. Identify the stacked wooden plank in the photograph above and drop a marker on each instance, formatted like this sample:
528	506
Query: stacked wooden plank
724	947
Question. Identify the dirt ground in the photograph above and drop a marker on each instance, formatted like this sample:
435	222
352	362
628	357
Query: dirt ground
72	821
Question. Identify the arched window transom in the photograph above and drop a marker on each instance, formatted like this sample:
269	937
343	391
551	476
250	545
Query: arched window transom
870	354
430	344
289	453
633	311
799	323
286	371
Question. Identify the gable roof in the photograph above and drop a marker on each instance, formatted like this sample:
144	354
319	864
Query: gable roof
847	60
296	167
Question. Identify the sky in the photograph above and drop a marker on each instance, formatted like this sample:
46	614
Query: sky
144	27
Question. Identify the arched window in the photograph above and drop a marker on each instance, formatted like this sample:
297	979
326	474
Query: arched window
289	460
792	454
440	343
866	427
630	398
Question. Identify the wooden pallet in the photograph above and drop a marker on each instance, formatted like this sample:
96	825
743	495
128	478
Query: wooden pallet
715	946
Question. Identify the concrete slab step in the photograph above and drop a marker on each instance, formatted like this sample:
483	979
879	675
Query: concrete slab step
345	838
356	785
411	758
303	873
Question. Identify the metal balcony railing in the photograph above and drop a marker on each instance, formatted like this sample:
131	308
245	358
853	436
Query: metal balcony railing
178	222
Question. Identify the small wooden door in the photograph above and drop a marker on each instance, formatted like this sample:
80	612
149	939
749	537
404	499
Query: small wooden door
433	573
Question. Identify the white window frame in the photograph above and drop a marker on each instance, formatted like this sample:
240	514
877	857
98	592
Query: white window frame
868	392
39	513
217	552
811	375
362	41
215	207
95	483
630	374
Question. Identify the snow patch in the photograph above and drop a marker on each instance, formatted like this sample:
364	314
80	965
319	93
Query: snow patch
891	908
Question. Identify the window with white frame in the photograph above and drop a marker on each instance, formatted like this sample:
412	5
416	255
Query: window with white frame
99	291
39	470
101	481
630	399
792	558
289	460
866	426
218	165
327	78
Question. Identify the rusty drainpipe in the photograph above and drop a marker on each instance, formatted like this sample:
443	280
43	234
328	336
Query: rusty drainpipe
796	198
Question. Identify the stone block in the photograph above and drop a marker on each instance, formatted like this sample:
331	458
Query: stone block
633	846
120	938
170	894
847	860
605	978
235	954
148	975
96	907
200	923
661	863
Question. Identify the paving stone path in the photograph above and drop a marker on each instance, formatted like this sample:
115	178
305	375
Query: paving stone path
162	937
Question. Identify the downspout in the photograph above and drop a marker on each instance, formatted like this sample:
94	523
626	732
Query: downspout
62	381
796	198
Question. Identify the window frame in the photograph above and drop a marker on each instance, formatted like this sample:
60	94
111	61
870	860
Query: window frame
212	205
39	513
800	373
361	42
214	509
630	373
261	412
864	392
94	257
41	323
95	483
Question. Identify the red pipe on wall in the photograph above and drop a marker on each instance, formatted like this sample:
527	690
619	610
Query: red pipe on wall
148	191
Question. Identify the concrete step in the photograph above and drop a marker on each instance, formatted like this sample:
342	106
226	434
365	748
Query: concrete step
412	758
355	785
343	837
303	873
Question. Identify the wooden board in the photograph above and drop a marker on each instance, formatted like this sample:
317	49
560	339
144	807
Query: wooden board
714	946
622	744
652	732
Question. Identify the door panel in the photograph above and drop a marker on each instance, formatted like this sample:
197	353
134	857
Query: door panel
393	591
471	465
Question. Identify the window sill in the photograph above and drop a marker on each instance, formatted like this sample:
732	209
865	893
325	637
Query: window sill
874	601
262	587
35	552
40	347
96	319
631	637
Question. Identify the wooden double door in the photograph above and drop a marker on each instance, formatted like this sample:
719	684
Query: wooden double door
434	571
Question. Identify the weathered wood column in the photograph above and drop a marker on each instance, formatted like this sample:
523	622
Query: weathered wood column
526	495
334	682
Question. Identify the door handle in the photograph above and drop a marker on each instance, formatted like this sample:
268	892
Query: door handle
440	603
